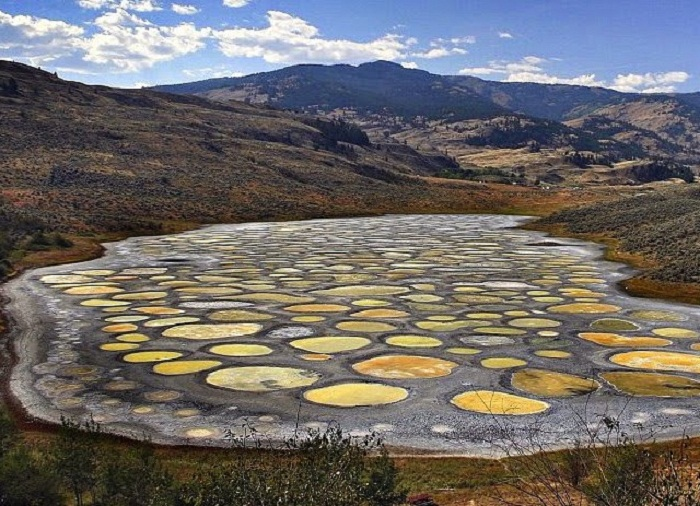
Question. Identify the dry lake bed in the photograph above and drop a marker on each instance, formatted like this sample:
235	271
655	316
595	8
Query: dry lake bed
436	331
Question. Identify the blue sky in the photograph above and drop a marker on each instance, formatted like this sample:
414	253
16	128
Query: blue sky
629	45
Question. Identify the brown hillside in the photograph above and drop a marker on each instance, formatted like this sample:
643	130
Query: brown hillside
85	158
658	123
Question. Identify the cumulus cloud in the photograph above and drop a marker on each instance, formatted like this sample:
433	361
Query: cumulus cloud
185	10
457	41
454	41
532	69
236	3
290	39
211	72
544	78
439	52
505	35
409	65
119	41
529	64
664	82
131	5
442	47
35	39
128	43
119	19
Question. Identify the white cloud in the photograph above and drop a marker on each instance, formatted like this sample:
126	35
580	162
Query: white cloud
211	73
93	4
118	40
532	64
131	5
442	47
236	3
439	52
127	43
119	19
660	89
663	82
454	41
531	69
409	65
290	39
37	40
479	71
505	35
185	10
544	78
458	41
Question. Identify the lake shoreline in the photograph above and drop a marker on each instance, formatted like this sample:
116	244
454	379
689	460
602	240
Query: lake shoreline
446	453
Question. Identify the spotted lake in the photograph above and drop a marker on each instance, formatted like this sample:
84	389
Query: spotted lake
437	331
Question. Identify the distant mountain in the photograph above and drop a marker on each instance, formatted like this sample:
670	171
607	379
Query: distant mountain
557	102
381	86
426	109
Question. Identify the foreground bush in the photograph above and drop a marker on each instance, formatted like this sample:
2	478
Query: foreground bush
81	466
318	469
607	466
84	467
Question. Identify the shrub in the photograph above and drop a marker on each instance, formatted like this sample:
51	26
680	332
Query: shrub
607	466
75	457
134	477
318	469
26	480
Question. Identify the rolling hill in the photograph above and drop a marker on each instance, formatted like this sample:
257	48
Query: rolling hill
79	157
85	159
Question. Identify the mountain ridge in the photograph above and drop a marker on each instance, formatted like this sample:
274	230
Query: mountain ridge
385	97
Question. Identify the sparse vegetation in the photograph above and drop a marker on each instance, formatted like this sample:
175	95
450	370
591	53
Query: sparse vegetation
339	131
663	226
20	232
609	465
585	160
515	132
80	466
490	175
320	468
660	170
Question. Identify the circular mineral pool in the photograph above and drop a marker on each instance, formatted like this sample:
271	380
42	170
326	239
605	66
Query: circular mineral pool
498	403
262	378
350	395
